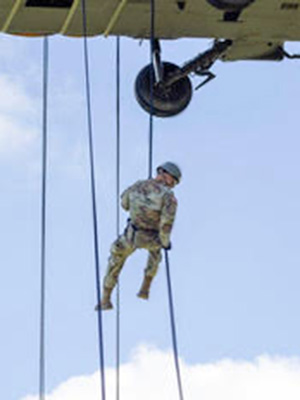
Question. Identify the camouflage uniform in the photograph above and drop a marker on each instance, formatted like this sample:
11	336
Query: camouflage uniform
152	208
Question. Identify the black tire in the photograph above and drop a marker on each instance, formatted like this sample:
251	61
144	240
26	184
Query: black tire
230	5
167	102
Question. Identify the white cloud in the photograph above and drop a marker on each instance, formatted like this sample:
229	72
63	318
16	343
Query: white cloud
17	117
13	99
14	136
150	375
12	48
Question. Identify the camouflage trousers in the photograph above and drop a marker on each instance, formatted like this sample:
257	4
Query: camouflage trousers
125	245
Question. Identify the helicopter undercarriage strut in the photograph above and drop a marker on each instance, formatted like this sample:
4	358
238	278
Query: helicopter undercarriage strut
172	88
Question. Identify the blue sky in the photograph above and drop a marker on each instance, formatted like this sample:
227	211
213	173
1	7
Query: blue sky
235	257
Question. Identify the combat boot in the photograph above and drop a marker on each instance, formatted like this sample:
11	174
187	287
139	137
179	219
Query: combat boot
105	303
144	290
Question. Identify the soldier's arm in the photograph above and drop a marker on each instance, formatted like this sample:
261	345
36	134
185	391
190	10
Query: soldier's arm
125	199
125	203
168	214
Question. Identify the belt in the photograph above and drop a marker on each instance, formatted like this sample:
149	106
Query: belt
137	228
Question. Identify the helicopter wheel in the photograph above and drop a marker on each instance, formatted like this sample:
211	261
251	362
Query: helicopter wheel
167	100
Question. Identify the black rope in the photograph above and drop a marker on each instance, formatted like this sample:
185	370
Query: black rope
118	325
172	315
43	223
173	327
152	44
93	195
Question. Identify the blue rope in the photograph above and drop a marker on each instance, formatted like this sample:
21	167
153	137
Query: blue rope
118	147
43	223
152	38
93	195
118	314
173	327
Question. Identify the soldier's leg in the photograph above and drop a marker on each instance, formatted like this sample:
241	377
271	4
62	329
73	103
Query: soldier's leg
119	251
154	259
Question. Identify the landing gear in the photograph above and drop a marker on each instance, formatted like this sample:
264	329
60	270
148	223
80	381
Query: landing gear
168	100
284	53
171	87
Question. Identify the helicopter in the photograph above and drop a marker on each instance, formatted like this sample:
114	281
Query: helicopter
241	29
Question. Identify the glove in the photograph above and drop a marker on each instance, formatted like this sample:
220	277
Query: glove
168	247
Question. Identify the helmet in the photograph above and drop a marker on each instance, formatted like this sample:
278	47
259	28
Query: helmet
172	169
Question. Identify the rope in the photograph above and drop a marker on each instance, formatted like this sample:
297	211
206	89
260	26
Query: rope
173	327
118	102
93	195
118	210
43	224
152	39
171	306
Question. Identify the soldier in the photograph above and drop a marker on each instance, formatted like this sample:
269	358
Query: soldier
152	208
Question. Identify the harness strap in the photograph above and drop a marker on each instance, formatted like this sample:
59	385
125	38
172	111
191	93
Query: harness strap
137	228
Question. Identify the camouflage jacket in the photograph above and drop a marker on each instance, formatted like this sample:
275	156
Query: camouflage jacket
152	206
